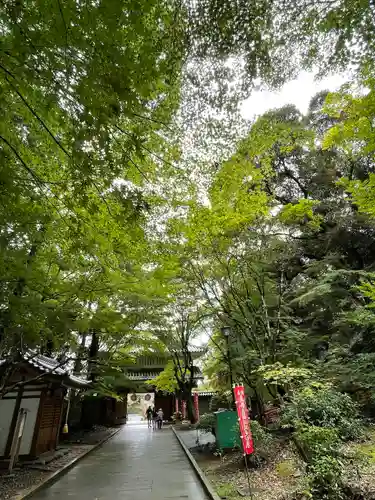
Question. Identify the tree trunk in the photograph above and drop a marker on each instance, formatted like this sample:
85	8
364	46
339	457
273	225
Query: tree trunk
78	362
190	409
260	405
186	396
49	348
93	354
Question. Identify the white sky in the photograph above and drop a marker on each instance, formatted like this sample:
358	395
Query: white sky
298	92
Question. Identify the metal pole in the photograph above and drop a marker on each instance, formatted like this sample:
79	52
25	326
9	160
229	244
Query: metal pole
248	477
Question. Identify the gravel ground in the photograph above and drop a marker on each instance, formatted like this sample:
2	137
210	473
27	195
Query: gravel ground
284	474
360	473
27	476
21	479
276	480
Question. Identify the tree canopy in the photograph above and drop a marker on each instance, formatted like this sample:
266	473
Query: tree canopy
140	211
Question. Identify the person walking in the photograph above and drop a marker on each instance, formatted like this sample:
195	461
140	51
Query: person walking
159	418
154	417
149	413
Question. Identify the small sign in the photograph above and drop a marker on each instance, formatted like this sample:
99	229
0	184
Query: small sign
243	418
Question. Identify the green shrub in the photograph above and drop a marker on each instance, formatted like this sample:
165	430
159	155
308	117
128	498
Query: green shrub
317	441
321	419
263	444
321	406
261	438
321	447
206	423
222	400
325	474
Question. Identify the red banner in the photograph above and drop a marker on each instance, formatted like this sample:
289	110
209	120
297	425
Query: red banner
176	405
184	410
196	406
243	418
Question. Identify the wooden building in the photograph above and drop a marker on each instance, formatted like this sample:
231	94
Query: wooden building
150	366
204	399
103	410
37	386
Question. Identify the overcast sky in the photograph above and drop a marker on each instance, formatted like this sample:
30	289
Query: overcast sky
298	92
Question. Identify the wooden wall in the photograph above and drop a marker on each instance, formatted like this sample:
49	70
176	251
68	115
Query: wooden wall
166	403
103	411
48	423
204	404
42	400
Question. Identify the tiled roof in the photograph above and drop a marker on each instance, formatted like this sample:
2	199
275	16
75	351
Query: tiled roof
197	349
205	393
142	375
51	366
150	375
77	381
47	365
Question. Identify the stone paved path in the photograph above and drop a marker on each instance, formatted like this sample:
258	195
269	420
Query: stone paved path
137	464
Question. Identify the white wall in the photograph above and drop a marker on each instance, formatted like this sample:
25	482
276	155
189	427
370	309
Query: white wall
32	405
6	415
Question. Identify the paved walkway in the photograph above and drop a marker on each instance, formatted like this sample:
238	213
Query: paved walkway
137	464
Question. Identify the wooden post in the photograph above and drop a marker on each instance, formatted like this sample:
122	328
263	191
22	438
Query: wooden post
17	438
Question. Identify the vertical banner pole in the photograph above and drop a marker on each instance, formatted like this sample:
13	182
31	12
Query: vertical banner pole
196	408
244	422
248	477
196	405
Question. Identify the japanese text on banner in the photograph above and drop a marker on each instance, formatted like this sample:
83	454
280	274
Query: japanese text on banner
243	417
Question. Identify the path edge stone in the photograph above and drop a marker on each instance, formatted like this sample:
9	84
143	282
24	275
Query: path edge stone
28	493
201	475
